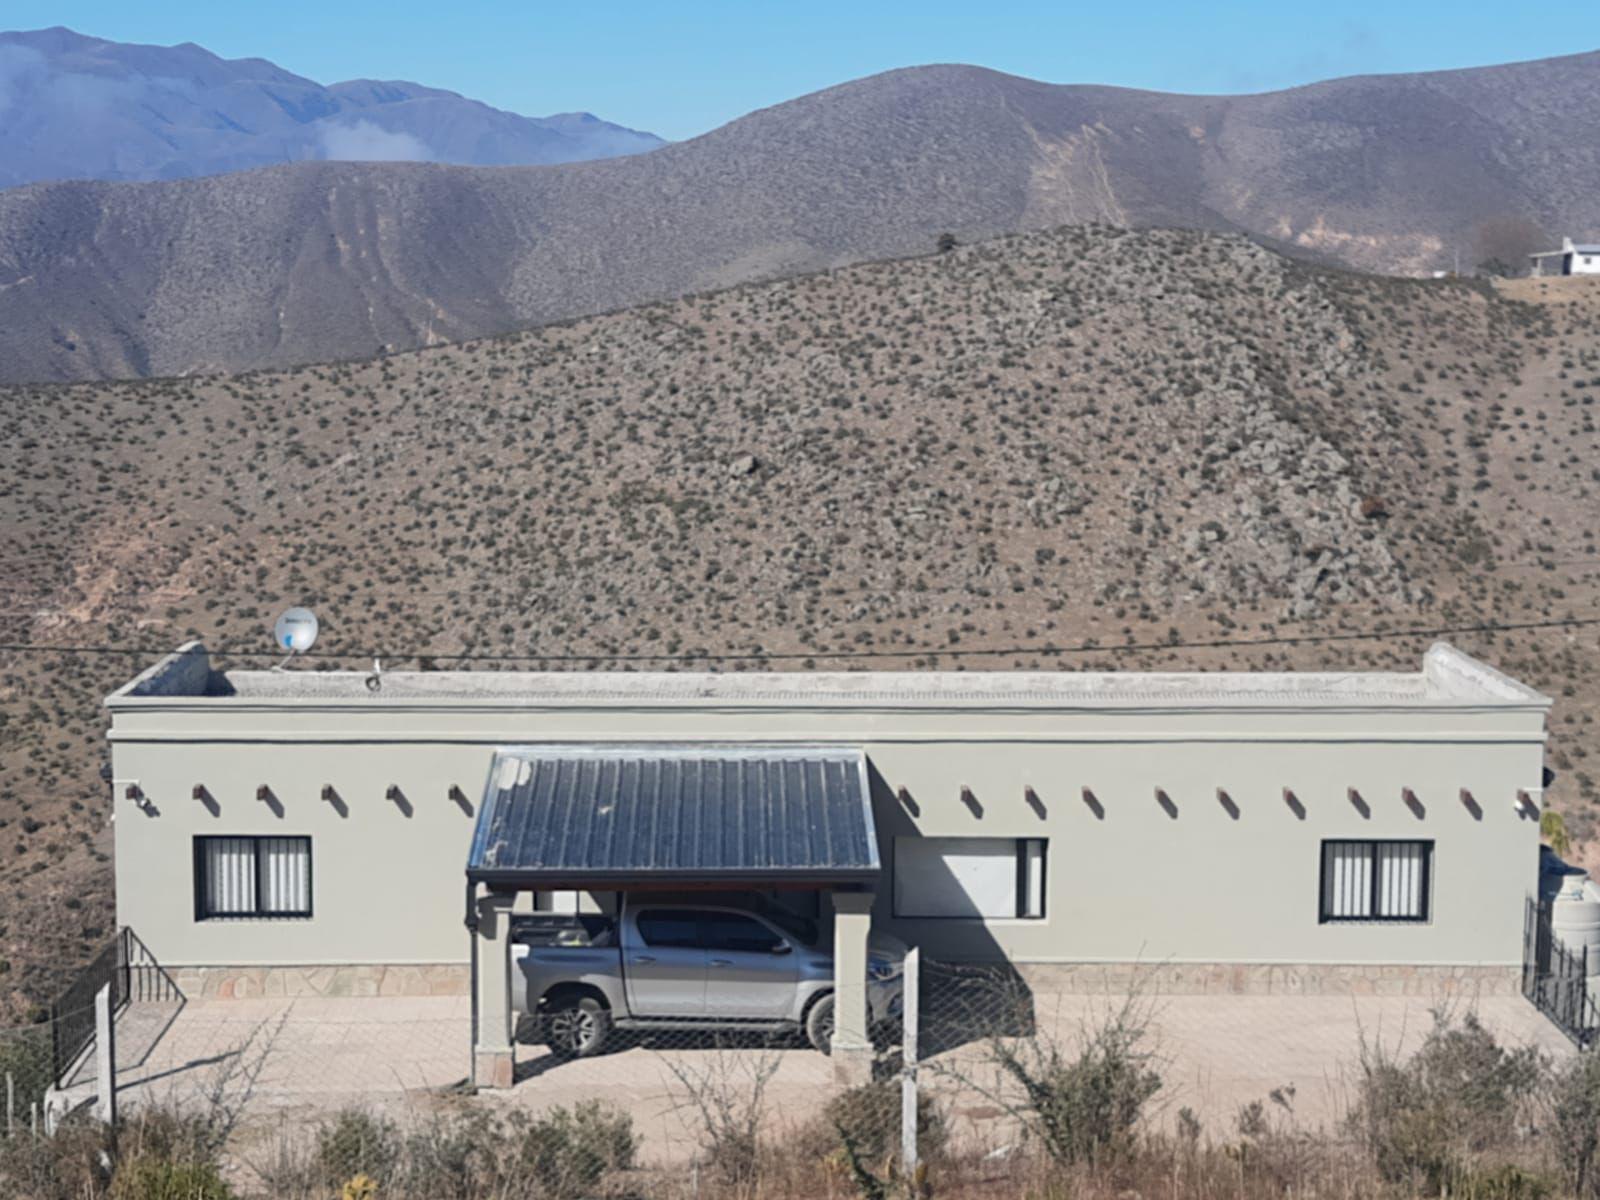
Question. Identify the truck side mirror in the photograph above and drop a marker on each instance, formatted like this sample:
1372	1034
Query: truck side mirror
783	948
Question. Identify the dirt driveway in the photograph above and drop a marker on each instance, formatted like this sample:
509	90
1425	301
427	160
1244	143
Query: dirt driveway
304	1058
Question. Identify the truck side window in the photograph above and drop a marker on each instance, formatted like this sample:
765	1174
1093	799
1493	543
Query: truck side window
731	931
669	927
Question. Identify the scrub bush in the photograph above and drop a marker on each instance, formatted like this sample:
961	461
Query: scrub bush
466	1153
870	1116
1082	1103
567	1151
151	1178
25	1061
357	1143
725	1093
1426	1122
1575	1123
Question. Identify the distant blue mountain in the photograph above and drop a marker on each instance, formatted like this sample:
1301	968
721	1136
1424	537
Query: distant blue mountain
76	107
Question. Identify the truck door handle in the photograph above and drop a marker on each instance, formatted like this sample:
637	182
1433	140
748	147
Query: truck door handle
722	962
644	958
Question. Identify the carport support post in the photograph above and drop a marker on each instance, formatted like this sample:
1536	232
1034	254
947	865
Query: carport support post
493	1059
852	1047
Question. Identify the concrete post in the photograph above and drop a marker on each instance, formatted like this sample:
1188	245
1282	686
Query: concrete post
911	1010
105	1053
852	1047
494	1058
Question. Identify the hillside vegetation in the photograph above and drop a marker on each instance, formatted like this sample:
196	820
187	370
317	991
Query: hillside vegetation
1077	437
317	261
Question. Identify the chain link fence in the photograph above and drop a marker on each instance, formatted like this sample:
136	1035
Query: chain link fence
26	1075
1003	1089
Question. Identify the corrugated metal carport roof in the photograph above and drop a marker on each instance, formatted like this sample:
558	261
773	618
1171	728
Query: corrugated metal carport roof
624	816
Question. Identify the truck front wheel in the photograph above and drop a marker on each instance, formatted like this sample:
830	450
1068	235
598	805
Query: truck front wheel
576	1026
819	1024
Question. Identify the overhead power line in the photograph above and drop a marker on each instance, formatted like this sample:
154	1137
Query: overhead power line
1048	651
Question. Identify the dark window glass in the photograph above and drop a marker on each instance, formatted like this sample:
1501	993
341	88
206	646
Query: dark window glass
252	877
732	931
1375	881
669	927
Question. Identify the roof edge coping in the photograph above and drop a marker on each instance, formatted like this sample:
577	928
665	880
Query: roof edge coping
1456	673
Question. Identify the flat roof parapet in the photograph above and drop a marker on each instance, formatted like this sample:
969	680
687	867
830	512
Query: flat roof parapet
1448	678
184	672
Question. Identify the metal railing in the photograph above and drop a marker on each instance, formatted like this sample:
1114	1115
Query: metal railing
1555	977
144	979
132	972
72	1013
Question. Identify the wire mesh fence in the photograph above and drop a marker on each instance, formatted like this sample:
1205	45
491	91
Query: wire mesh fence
26	1074
1013	1084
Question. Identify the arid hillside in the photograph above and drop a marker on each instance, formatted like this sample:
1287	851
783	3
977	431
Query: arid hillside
320	261
1084	437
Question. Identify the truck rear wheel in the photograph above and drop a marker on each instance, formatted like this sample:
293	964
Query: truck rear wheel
819	1024
576	1026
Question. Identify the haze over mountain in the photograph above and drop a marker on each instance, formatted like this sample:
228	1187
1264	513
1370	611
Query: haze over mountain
76	107
319	261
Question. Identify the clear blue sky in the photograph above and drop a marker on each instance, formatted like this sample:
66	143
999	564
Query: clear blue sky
684	67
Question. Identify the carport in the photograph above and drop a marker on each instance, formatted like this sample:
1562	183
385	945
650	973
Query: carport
607	818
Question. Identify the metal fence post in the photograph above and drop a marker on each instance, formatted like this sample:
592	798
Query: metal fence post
911	1015
105	1053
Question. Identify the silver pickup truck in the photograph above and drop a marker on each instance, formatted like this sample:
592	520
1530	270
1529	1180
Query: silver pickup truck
685	965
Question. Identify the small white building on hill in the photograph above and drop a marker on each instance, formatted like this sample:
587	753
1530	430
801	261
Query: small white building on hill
1574	258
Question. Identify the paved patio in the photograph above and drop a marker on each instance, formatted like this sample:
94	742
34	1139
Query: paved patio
307	1057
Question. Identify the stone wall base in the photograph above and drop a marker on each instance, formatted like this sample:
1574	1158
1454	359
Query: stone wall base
363	979
1108	979
1277	979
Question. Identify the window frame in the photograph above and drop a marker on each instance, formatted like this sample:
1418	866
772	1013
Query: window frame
1020	849
258	913
1424	890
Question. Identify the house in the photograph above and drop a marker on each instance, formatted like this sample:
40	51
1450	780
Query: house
1571	259
295	831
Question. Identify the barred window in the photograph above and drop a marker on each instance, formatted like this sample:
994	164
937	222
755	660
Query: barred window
1375	881
252	877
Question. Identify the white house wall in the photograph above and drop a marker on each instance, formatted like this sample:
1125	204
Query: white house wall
1191	881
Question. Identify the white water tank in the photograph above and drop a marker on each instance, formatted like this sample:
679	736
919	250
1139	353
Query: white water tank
1575	916
1575	920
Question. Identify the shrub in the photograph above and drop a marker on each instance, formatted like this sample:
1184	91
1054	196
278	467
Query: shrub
568	1151
25	1060
1575	1122
1082	1103
870	1116
1424	1121
153	1178
1553	829
726	1091
67	1166
453	1155
357	1143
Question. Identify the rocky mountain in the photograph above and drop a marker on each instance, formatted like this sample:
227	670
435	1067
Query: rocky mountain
1033	452
75	107
320	261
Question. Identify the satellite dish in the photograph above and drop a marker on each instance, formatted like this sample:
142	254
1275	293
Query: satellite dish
296	630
